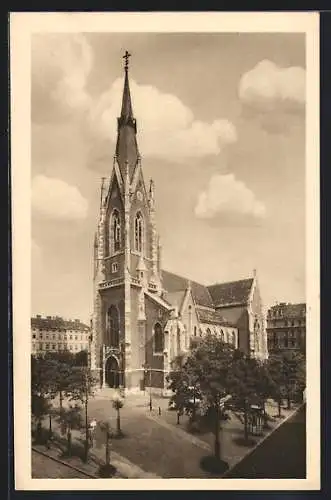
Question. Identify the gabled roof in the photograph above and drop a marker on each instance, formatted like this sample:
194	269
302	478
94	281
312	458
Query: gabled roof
212	317
232	293
175	283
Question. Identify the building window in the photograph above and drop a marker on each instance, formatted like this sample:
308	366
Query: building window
116	231
114	267
113	327
53	346
208	331
158	339
138	233
34	347
70	347
34	336
47	346
195	331
76	337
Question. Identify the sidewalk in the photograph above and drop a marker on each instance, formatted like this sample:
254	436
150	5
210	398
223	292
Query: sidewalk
125	468
233	450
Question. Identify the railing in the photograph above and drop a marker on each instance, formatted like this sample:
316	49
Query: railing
136	281
111	283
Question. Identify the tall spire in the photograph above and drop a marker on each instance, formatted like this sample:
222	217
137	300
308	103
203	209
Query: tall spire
126	112
126	146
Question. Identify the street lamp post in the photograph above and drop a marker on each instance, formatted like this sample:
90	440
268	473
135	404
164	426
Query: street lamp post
148	369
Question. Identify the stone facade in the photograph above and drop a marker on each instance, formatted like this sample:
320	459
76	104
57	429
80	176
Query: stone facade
143	315
54	334
286	327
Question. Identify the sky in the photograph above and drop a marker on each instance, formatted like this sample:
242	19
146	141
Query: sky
221	130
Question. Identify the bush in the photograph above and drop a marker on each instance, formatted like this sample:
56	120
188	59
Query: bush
214	465
106	470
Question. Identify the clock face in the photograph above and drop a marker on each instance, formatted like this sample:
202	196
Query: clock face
139	195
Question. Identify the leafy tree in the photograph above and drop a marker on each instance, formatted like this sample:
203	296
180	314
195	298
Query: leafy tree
209	366
178	383
81	358
275	367
81	388
72	419
243	384
288	372
264	385
42	389
118	403
40	407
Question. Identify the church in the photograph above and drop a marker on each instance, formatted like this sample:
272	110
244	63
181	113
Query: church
143	315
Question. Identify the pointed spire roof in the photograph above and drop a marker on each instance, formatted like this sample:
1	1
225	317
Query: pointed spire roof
126	111
126	146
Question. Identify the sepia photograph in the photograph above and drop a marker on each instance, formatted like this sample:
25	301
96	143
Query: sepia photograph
165	182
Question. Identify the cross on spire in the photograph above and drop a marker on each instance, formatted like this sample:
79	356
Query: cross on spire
126	57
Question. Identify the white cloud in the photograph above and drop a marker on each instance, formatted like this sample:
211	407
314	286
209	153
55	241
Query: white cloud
227	195
267	85
55	199
61	65
166	127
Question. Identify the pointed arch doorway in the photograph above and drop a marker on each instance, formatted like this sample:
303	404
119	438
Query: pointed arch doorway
112	372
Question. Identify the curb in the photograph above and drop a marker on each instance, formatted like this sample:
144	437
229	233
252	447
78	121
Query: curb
64	463
262	440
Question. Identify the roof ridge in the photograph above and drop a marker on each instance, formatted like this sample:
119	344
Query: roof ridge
230	282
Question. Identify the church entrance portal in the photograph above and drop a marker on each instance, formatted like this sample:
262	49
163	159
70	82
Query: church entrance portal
112	372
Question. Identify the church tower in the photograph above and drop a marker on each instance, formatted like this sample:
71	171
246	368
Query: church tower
126	261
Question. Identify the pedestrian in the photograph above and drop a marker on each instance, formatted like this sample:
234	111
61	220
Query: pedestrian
92	428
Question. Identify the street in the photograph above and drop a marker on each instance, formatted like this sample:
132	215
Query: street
282	455
43	467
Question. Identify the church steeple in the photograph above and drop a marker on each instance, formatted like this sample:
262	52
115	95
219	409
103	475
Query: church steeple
126	146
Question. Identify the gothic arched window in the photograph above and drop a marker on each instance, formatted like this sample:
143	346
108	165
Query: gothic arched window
208	331
112	327
116	231
158	339
138	233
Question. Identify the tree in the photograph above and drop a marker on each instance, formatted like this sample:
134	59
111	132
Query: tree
289	374
178	383
209	365
118	403
40	407
243	384
60	364
81	387
264	385
275	367
106	470
72	419
81	358
42	389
